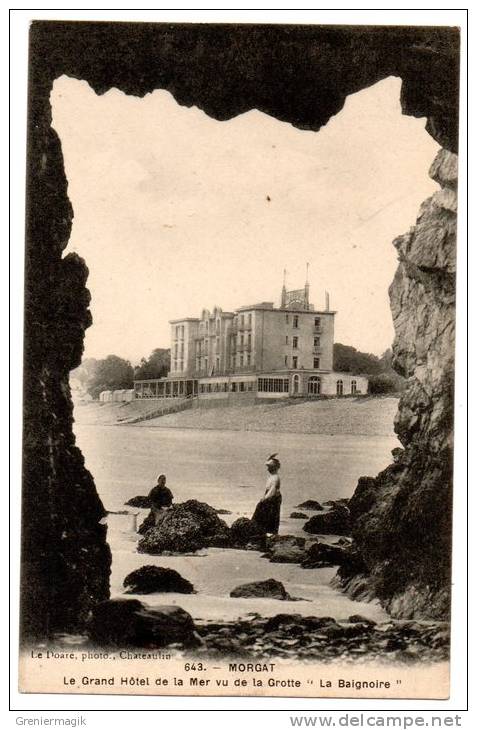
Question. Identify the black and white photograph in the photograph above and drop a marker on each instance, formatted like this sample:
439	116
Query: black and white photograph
238	405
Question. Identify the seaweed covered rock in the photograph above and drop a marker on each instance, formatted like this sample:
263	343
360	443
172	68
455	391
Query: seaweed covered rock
128	622
245	531
185	527
155	579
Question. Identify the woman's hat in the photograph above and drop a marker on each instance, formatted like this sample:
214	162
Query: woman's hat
272	460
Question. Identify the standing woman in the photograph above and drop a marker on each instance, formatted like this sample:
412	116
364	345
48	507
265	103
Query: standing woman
267	511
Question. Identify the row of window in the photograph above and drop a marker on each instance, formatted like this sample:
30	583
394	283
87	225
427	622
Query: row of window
296	321
273	385
234	387
294	362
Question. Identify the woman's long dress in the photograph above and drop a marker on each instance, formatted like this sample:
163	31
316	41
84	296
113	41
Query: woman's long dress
267	511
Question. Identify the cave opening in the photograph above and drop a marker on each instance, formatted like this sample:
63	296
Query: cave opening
165	199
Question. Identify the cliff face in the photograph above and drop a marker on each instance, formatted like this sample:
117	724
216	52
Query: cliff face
402	517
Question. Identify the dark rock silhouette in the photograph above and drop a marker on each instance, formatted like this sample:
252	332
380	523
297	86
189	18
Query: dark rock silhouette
155	579
298	516
334	522
310	504
261	589
130	623
141	501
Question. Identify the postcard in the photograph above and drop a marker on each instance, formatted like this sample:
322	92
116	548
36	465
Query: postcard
239	359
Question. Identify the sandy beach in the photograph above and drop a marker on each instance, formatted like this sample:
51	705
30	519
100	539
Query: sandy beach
216	456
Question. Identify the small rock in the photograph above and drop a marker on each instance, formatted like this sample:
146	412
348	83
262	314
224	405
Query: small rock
356	618
141	501
223	512
270	588
154	579
321	555
335	522
310	504
285	549
298	516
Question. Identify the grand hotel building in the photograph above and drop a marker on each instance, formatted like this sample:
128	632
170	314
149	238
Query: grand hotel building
257	351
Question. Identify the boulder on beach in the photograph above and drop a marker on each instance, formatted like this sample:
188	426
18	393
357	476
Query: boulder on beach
356	618
223	511
129	623
298	516
154	579
321	555
285	549
310	504
185	527
334	522
141	501
270	588
244	531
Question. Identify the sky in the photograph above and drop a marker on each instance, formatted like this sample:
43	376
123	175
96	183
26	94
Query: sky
175	212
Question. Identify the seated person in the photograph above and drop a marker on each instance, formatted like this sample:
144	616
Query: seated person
160	497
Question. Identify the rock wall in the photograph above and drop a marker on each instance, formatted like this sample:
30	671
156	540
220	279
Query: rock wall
402	518
299	74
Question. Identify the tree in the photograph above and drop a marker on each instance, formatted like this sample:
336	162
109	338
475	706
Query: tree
347	359
157	365
84	372
112	373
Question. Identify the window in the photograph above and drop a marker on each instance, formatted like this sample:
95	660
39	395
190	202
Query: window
316	341
295	343
295	321
295	362
234	387
339	387
250	319
317	322
296	384
217	363
242	387
316	363
271	385
286	339
354	389
287	318
249	340
241	339
286	361
242	320
241	361
314	385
